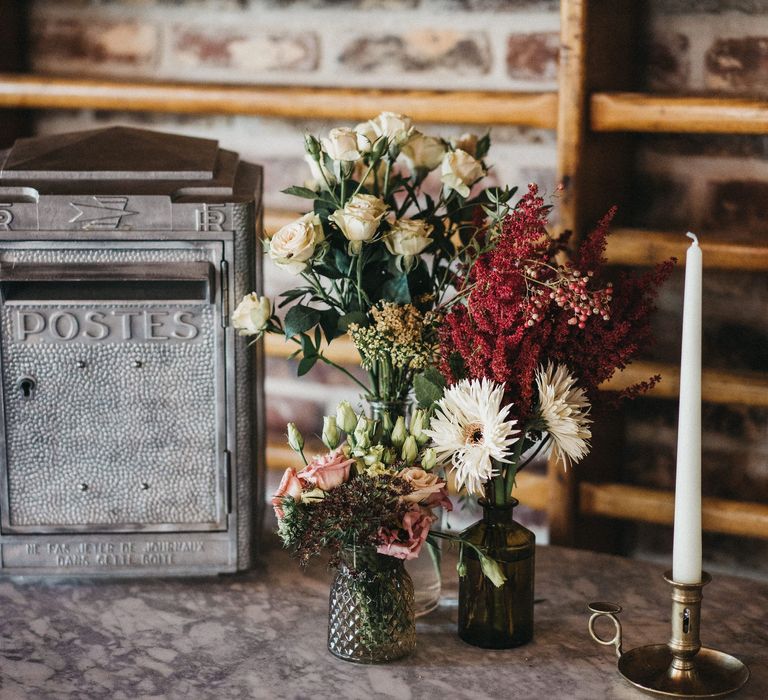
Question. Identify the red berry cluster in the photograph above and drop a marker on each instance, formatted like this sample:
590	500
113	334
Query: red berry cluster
524	308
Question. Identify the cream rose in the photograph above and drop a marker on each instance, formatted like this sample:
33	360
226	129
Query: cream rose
341	144
366	136
295	243
460	171
423	151
467	143
360	217
424	483
408	237
396	127
252	314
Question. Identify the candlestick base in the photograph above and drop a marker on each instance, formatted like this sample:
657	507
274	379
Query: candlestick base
714	674
682	668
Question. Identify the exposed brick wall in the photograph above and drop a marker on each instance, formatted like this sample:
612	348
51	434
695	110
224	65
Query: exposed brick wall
704	183
715	185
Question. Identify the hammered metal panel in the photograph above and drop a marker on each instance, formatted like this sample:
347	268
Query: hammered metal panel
104	256
119	433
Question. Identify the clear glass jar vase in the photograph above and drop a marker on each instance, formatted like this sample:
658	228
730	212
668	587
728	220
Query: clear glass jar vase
425	569
491	617
370	614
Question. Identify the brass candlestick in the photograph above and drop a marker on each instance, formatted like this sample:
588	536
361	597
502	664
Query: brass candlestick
682	667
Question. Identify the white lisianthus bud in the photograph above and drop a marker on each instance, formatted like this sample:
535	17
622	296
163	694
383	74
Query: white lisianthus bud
360	218
429	459
366	136
417	427
295	438
423	151
408	237
251	317
396	127
346	418
460	171
341	144
467	143
410	450
399	433
319	174
294	244
330	432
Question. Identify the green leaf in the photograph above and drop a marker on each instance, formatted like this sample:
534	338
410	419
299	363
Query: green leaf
419	281
341	259
456	363
329	322
483	144
306	364
357	317
299	319
293	294
427	392
327	271
304	192
396	290
308	348
435	376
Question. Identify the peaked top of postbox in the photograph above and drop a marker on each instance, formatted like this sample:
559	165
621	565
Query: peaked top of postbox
112	153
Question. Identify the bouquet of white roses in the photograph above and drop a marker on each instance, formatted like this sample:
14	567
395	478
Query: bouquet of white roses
377	253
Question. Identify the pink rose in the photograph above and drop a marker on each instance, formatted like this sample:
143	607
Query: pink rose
329	471
428	490
290	485
416	524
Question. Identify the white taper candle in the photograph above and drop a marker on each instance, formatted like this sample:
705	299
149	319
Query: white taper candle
686	553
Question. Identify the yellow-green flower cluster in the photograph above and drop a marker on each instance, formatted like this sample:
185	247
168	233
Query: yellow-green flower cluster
400	334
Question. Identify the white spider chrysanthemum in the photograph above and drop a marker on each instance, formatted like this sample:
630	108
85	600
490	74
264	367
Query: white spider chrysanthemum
564	408
470	429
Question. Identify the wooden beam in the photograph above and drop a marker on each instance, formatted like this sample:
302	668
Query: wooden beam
349	104
653	506
635	246
631	246
636	112
717	386
342	350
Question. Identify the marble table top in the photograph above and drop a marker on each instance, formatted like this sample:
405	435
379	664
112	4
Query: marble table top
263	635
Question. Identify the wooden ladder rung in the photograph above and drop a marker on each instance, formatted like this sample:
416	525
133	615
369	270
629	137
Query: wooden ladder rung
717	386
638	112
535	109
633	246
627	502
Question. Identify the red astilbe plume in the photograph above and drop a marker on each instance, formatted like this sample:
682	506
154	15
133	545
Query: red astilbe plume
524	309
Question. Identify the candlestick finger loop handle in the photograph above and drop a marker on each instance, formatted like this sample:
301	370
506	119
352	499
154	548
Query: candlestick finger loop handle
609	610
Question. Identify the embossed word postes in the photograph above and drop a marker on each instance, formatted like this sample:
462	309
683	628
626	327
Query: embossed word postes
86	324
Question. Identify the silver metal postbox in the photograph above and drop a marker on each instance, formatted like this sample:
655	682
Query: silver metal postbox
131	428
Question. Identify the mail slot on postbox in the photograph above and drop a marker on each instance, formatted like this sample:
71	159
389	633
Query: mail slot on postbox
131	428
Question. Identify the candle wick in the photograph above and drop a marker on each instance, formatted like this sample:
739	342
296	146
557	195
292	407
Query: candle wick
694	237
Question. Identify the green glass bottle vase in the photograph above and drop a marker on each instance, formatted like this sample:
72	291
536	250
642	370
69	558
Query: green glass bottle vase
491	617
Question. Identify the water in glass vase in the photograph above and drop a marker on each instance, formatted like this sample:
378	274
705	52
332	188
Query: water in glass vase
491	617
425	569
